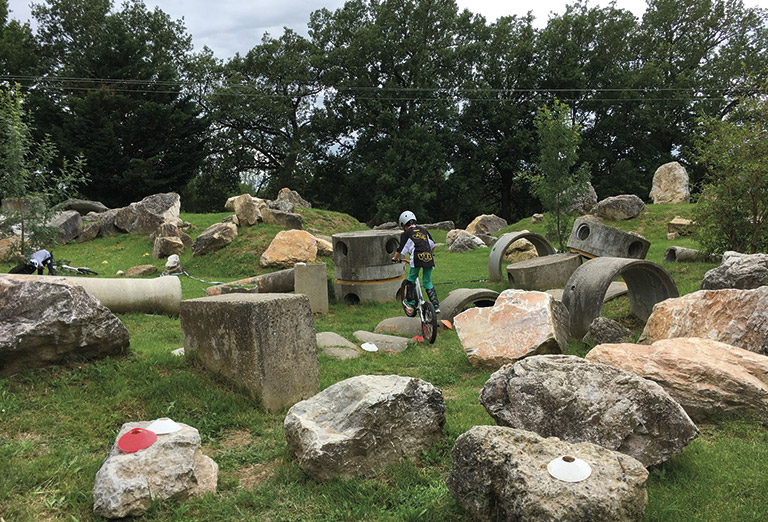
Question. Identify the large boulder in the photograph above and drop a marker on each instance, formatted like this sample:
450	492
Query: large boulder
283	219
670	184
145	216
731	316
287	199
171	230
585	200
69	223
173	467
605	330
360	425
567	397
519	324
167	246
45	321
486	224
288	248
619	208
500	473
84	206
89	232
463	241
249	210
213	238
742	271
706	377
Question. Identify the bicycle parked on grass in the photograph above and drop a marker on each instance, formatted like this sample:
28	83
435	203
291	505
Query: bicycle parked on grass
62	268
424	308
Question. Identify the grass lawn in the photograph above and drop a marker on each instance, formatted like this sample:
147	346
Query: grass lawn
57	424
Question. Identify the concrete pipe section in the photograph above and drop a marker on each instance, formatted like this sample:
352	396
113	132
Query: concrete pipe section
363	266
543	273
496	258
647	284
592	239
462	298
161	295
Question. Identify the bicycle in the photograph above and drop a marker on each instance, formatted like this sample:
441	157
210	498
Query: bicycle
424	308
63	268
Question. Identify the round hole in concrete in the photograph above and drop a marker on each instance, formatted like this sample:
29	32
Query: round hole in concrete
582	232
635	249
341	246
392	245
351	299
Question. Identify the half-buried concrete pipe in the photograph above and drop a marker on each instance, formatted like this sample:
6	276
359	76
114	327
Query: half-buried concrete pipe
647	284
496	257
161	295
462	298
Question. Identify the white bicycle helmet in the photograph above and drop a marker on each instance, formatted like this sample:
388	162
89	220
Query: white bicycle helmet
406	217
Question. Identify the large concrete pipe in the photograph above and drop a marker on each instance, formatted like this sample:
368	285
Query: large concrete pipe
161	295
592	239
496	257
363	266
462	298
647	284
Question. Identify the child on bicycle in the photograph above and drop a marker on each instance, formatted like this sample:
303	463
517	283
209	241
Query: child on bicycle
416	241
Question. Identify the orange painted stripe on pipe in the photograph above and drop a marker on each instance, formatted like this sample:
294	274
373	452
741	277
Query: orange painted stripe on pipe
374	282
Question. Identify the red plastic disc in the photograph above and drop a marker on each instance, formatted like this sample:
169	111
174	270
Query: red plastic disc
136	439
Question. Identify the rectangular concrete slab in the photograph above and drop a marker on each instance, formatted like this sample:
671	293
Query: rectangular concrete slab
263	342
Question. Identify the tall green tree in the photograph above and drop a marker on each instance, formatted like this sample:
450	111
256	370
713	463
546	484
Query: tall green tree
732	209
557	181
31	190
112	92
391	69
19	52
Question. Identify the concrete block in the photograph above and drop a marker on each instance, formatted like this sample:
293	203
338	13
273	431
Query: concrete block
264	343
543	273
592	239
312	281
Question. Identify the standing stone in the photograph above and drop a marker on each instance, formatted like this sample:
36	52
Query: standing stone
736	317
360	425
619	208
249	210
706	377
585	200
519	324
264	343
742	271
670	184
71	324
575	400
69	223
167	246
500	473
487	224
173	467
288	248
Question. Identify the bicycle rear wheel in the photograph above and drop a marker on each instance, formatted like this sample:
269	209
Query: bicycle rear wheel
429	322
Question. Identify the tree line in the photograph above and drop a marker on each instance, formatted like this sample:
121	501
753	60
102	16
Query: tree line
385	105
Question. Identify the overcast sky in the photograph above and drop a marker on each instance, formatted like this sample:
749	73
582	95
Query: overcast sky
230	26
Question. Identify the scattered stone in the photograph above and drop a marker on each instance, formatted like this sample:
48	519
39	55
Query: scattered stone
440	225
141	271
171	230
71	324
89	232
619	208
519	324
386	343
742	271
681	227
407	326
464	241
287	220
360	425
489	241
145	216
389	225
249	210
670	184
585	200
500	473
69	222
487	224
292	197
167	246
106	220
537	218
173	265
84	206
213	238
706	377
731	316
603	330
288	248
173	467
576	400
324	247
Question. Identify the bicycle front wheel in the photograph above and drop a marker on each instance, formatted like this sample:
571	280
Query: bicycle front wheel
429	322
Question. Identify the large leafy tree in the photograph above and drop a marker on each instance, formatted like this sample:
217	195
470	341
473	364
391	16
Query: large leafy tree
497	141
112	92
18	48
391	68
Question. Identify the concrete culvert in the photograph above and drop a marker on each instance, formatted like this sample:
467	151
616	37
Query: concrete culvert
647	284
496	257
462	298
